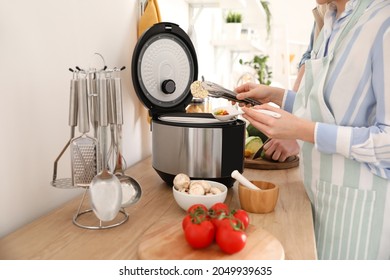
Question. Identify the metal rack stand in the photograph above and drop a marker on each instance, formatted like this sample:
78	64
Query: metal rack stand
86	218
90	216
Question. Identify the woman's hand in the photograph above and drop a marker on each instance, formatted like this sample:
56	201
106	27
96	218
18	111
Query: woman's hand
287	126
280	149
262	93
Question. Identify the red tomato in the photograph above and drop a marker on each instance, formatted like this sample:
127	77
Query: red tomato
218	212
229	223
217	209
198	209
186	220
230	240
199	235
217	221
242	215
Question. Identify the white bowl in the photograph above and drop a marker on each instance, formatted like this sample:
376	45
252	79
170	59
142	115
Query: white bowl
185	200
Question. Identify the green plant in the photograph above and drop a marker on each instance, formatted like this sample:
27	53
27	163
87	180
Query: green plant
233	17
266	7
259	64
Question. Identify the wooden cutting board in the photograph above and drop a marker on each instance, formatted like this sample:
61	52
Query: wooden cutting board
260	163
166	241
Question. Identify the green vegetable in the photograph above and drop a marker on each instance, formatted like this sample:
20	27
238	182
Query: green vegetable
253	144
253	131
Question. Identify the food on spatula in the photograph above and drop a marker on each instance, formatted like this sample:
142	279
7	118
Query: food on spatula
198	91
221	112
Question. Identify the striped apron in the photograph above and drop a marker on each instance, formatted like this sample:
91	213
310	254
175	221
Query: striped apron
350	204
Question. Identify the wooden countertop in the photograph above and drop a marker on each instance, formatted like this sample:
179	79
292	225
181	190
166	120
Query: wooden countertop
54	236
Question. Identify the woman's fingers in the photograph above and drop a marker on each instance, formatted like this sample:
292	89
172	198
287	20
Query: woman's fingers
245	87
280	149
271	126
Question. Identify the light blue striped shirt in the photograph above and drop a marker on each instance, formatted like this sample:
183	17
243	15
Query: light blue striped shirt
357	91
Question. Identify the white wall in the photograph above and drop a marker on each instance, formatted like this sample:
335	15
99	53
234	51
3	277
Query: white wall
175	11
39	41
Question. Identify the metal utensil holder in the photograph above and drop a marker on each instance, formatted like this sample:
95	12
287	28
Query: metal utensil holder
81	160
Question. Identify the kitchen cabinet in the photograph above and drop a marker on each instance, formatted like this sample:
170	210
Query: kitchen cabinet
54	236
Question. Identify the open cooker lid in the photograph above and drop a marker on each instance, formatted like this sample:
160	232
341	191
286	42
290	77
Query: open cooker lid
164	65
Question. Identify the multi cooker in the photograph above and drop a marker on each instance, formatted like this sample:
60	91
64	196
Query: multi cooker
164	65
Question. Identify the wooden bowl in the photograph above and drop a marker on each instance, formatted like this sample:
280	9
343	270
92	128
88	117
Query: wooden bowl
259	201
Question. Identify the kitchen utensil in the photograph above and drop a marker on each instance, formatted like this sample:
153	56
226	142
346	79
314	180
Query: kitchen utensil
262	200
268	113
73	106
260	151
72	121
105	188
117	89
92	88
258	163
233	112
158	241
164	65
83	148
244	181
131	188
112	121
217	91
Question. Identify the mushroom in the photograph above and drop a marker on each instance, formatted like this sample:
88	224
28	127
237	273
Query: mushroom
196	188
215	190
181	182
206	185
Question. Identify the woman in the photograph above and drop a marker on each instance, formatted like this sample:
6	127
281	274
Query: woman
281	149
341	117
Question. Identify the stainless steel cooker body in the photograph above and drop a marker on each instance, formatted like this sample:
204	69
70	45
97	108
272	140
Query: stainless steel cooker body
201	150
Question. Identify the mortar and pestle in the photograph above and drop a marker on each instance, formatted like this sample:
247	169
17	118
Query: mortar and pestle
256	196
